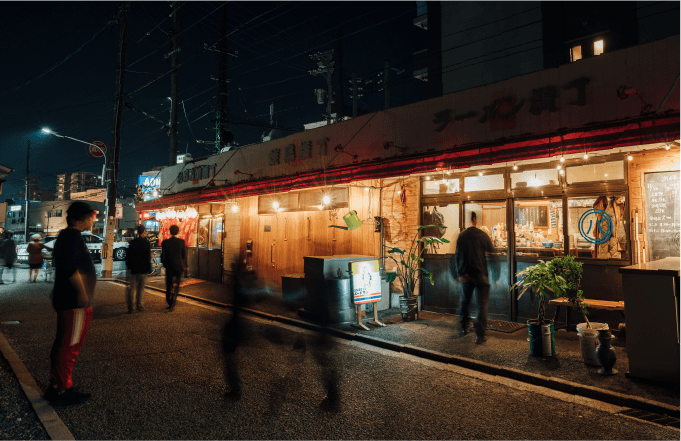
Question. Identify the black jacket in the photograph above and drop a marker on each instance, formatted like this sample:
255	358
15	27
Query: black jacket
470	255
174	254
138	259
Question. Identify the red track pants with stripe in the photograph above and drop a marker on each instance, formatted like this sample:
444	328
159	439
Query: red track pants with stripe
72	326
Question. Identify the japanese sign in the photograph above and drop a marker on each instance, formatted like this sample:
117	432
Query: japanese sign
366	281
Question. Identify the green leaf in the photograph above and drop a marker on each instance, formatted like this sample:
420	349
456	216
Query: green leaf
390	277
396	250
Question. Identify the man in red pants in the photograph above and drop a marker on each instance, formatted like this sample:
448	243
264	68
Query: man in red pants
74	286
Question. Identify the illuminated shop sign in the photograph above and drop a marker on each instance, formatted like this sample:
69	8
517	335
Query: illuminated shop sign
150	182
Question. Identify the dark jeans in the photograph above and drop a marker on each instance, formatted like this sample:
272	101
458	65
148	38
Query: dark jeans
482	286
173	279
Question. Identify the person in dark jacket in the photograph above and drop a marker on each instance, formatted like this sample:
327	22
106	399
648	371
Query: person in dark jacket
138	261
8	254
470	268
174	259
74	288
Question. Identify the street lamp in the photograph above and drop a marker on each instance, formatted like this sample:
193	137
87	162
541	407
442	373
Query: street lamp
109	230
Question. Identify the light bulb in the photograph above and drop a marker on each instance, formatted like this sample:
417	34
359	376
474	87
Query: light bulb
586	156
275	205
562	159
559	167
479	173
515	167
427	178
562	172
366	189
448	172
235	208
326	200
668	147
630	158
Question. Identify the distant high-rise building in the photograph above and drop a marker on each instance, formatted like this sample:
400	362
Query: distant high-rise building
78	182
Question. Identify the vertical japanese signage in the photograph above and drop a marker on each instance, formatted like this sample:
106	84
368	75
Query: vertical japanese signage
366	281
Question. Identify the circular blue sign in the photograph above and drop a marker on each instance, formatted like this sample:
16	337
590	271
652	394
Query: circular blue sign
605	235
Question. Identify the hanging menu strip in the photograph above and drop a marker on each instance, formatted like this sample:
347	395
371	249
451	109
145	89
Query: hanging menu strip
662	214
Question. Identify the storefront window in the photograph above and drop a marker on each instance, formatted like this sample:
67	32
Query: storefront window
538	227
597	227
216	233
605	171
440	186
491	219
534	178
447	216
484	183
204	232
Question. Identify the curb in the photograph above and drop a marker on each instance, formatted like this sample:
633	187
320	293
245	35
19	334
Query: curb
604	395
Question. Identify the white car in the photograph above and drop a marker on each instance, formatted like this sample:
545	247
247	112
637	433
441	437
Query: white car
94	244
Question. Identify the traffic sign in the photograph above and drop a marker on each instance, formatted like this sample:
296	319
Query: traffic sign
96	149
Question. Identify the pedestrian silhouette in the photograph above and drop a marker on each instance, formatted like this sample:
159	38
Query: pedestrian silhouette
138	261
8	254
174	259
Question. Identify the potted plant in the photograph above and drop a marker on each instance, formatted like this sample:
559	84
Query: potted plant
571	271
408	269
542	281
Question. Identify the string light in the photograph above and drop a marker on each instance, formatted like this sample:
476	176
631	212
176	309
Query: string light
515	167
480	173
586	156
668	147
427	178
326	200
562	159
562	172
275	205
559	167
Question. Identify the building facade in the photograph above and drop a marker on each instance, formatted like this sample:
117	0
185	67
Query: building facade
68	183
543	158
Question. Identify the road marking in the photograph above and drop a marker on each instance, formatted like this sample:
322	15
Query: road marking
54	426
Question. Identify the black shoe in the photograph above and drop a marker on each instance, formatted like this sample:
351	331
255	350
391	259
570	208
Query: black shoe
480	339
140	308
233	394
464	331
67	398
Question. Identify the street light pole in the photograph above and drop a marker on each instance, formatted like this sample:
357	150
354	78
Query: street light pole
28	161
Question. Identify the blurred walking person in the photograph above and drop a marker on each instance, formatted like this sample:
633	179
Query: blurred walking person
8	254
174	259
74	288
35	257
138	261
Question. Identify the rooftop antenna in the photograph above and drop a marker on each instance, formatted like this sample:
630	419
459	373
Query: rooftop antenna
271	112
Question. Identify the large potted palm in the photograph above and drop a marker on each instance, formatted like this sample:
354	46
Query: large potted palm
408	269
541	281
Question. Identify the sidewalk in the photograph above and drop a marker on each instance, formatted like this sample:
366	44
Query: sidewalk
435	336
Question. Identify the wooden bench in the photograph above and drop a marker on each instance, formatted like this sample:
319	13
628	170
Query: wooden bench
593	304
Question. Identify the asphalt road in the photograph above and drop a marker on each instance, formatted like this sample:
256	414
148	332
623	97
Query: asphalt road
158	375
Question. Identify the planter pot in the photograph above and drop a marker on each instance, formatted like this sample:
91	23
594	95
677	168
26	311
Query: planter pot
588	340
541	338
409	309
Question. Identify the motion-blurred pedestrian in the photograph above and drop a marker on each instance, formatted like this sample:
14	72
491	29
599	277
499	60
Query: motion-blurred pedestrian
174	259
8	254
138	261
74	288
35	257
471	269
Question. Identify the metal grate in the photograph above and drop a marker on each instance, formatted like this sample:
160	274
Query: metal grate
656	418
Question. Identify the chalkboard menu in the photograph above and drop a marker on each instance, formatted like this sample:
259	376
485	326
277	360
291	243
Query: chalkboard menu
662	214
537	215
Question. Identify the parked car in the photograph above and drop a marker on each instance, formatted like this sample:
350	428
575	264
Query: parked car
93	242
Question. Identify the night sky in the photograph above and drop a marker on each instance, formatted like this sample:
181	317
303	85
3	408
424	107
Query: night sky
59	71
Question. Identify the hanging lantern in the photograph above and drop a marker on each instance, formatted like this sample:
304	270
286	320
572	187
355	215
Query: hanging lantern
160	215
171	214
191	213
146	215
181	214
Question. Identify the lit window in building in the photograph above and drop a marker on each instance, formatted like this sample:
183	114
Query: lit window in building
576	53
598	47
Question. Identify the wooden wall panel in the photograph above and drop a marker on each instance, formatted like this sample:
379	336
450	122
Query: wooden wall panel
646	162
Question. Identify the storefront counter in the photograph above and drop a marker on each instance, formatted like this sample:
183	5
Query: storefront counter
651	302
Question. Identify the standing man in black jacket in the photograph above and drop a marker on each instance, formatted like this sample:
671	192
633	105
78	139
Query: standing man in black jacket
471	269
174	259
138	262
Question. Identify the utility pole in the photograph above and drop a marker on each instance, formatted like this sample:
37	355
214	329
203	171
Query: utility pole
222	135
339	101
355	96
28	162
386	85
325	65
173	84
107	251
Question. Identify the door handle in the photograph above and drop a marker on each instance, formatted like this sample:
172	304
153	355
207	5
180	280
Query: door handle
272	254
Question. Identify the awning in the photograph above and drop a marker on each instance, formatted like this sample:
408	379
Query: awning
599	137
